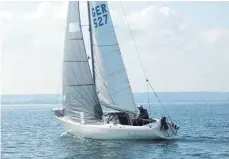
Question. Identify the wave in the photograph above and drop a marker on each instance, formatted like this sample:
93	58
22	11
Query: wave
205	139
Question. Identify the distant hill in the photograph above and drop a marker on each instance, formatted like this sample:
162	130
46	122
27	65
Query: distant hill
166	97
31	99
169	97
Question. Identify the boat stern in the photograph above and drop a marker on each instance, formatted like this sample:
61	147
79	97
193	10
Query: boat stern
167	130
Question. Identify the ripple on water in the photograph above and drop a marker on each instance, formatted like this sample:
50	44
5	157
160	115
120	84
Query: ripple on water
35	133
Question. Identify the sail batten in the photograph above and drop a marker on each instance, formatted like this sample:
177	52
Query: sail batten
81	101
115	83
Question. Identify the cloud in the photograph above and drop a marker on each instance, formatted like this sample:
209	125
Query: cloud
33	49
42	9
49	10
212	35
4	15
166	11
32	52
176	55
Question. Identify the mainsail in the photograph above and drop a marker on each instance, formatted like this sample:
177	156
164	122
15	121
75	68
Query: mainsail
81	101
114	75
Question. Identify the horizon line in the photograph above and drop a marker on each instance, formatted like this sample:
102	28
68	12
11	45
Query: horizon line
133	92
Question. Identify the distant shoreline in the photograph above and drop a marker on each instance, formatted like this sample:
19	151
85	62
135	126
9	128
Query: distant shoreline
187	92
146	104
165	97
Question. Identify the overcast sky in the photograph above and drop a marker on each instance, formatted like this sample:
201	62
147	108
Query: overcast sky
184	46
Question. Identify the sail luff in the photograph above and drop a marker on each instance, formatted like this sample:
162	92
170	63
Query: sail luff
101	83
91	41
81	101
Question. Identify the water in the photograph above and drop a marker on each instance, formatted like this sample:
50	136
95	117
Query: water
31	131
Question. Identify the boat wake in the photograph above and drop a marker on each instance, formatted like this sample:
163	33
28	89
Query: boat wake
65	134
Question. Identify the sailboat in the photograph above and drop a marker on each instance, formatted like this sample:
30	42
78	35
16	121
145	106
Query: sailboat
98	103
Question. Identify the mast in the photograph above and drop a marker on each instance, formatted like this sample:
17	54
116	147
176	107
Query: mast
91	41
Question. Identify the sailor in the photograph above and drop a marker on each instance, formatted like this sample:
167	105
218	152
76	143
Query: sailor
143	115
143	112
164	125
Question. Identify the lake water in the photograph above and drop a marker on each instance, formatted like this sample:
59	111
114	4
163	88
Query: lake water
31	131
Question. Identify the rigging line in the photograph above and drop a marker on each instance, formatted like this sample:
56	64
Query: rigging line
59	85
160	101
134	44
133	41
141	59
58	93
148	97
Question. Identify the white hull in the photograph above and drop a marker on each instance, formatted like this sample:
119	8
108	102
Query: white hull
116	132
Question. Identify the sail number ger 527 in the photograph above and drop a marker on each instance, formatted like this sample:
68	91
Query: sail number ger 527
99	14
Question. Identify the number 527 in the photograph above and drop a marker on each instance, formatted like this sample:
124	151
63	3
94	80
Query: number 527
100	21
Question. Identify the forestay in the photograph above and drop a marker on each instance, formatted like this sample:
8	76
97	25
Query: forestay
114	72
81	101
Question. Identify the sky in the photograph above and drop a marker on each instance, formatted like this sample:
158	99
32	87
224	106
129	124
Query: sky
184	46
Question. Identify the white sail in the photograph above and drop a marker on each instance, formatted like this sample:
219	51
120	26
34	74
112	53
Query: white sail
113	67
101	83
100	79
81	101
